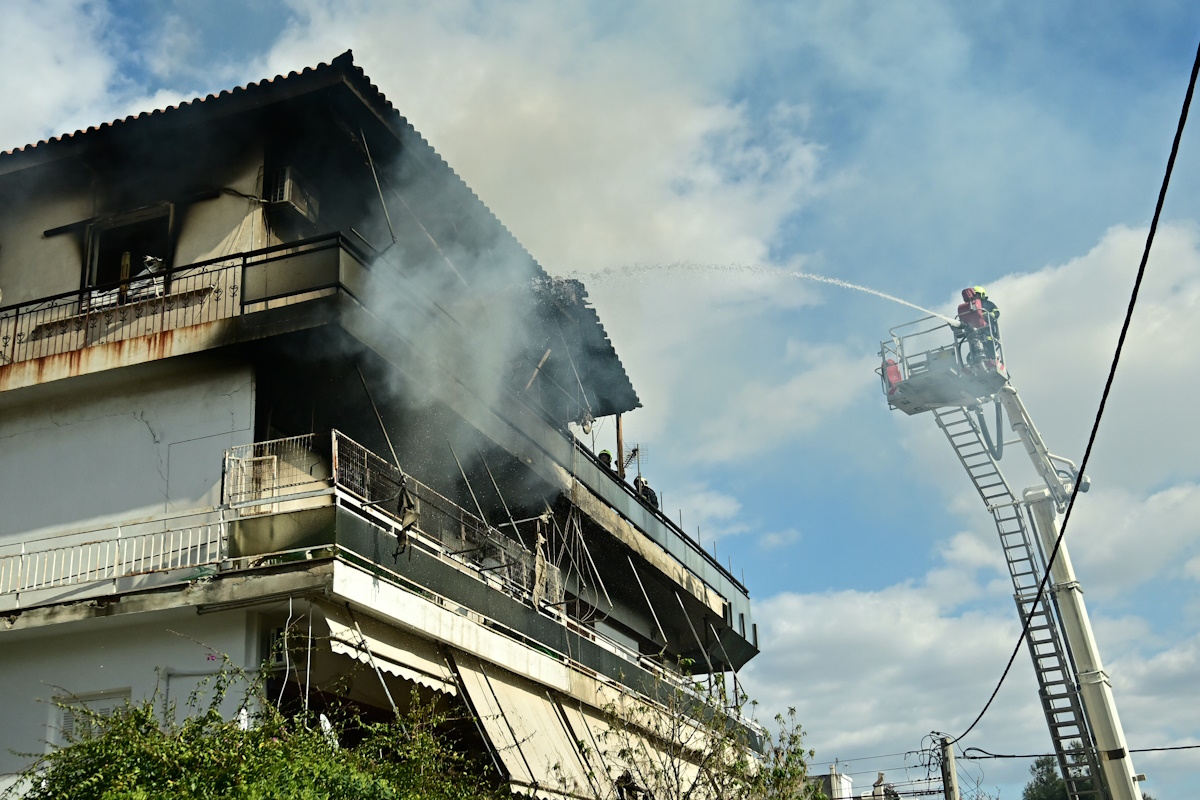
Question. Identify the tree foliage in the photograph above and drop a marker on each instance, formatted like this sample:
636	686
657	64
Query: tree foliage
131	754
1045	783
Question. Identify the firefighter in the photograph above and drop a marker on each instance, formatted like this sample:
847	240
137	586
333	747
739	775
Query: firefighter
643	490
605	459
979	327
992	315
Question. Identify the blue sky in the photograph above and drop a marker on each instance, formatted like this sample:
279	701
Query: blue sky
683	158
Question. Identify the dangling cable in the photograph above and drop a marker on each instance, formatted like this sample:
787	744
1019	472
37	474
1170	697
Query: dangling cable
997	448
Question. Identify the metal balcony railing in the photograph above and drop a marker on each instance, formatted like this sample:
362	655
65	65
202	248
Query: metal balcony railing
261	477
683	536
258	474
187	295
458	534
111	554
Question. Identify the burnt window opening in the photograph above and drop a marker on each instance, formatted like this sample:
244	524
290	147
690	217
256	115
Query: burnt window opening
128	256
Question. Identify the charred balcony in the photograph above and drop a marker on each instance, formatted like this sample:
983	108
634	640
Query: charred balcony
291	503
159	312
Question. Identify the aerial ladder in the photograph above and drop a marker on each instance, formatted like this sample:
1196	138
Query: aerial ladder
953	368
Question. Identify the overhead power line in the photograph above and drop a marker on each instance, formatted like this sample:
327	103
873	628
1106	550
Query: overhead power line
1087	453
984	754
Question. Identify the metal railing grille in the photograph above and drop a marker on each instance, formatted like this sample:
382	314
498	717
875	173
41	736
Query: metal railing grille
257	474
188	296
192	294
365	475
462	535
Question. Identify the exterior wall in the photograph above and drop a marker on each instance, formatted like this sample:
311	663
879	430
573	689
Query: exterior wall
39	199
101	449
229	223
165	653
32	266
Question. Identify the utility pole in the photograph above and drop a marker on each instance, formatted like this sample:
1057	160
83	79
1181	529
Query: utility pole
949	773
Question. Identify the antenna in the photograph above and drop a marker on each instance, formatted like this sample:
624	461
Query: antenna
637	454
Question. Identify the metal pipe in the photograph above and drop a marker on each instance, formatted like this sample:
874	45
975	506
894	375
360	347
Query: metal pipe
649	605
620	448
703	649
429	236
537	369
495	486
371	162
463	472
378	418
1021	422
371	656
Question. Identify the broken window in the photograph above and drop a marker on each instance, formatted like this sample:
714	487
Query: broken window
128	256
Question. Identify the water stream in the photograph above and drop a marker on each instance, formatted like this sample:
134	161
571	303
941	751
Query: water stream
847	285
634	270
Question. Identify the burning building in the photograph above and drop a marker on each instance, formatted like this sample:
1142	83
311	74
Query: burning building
275	383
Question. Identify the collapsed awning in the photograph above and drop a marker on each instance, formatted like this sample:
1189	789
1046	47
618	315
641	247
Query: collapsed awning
555	747
527	731
618	752
393	651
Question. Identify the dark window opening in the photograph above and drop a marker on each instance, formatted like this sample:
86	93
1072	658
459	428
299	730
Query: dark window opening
129	258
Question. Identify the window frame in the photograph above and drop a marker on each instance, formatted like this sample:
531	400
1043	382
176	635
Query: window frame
103	702
92	246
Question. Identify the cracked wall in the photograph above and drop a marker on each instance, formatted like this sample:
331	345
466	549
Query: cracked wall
96	450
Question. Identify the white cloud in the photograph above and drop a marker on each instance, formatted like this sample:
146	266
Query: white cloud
869	671
761	416
712	510
1060	327
55	73
1120	540
777	539
1135	528
174	49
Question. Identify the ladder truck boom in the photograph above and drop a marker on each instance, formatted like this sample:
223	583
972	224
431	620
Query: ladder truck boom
1046	463
951	369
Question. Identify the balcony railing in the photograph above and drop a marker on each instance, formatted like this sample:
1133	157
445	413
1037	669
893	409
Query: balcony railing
188	295
264	478
50	567
286	475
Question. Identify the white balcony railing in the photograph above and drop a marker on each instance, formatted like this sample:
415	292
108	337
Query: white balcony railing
49	568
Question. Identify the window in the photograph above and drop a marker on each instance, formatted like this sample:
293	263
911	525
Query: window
78	716
127	256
